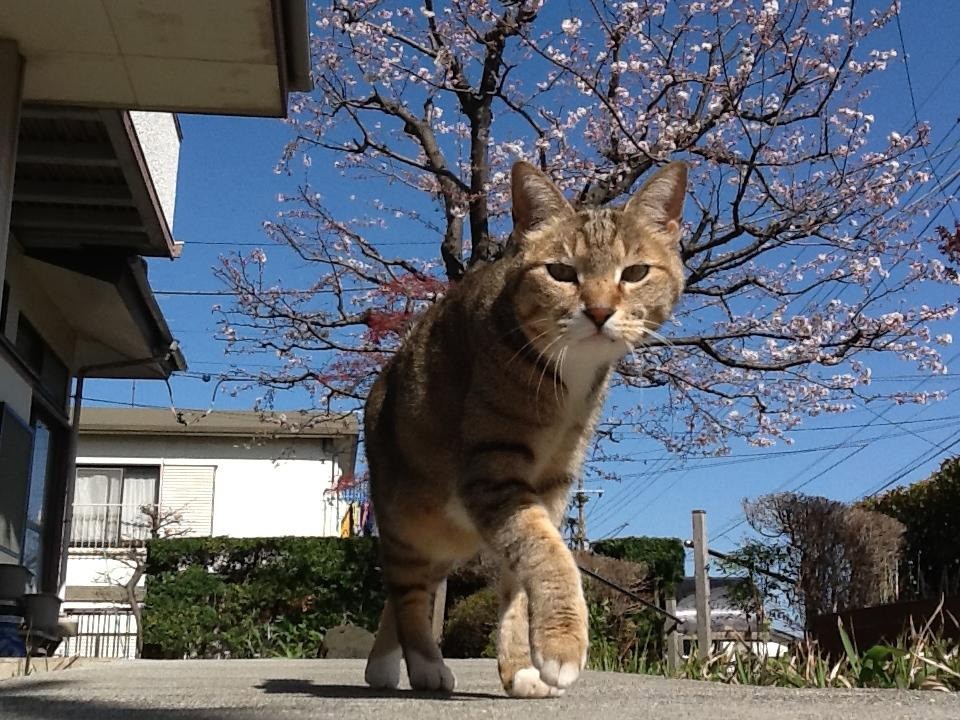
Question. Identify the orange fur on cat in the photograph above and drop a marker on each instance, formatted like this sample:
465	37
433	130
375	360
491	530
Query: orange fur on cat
476	427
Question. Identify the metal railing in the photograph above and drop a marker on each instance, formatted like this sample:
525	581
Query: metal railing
108	633
109	526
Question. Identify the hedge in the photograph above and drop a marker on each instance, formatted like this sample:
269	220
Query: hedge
263	597
930	512
260	597
664	557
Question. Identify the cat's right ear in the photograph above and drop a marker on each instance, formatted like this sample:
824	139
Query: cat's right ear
535	198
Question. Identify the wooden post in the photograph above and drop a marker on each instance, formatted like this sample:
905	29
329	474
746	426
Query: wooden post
702	583
439	608
673	638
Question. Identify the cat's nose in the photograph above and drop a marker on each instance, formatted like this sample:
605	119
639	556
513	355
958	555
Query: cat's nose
599	315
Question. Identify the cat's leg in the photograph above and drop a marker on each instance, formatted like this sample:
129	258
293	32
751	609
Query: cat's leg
517	673
516	524
411	585
383	664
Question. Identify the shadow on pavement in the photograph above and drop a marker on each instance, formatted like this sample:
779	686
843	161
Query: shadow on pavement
30	707
359	692
25	700
19	685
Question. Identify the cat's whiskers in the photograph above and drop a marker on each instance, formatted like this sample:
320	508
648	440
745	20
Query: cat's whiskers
657	336
563	357
543	371
529	342
558	372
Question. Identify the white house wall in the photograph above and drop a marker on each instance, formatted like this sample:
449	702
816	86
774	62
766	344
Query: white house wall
261	498
262	488
88	570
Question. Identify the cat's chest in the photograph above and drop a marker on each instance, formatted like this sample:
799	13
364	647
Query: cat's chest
583	377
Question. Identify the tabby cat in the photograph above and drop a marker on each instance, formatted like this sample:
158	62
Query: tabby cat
477	425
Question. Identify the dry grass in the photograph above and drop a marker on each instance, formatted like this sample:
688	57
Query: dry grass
921	660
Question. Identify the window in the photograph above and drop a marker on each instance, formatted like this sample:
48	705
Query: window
15	439
112	505
42	360
41	465
44	502
4	307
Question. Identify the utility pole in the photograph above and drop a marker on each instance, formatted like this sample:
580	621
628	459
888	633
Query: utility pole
577	524
702	578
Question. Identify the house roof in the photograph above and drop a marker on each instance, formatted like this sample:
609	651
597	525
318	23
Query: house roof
229	423
86	204
238	57
719	593
83	182
121	332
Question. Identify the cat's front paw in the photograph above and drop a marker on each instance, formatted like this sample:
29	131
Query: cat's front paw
429	675
383	671
559	649
526	683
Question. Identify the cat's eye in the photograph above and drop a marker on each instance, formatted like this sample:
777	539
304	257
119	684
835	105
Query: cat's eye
562	273
634	273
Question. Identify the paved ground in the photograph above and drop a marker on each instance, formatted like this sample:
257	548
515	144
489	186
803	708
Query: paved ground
287	689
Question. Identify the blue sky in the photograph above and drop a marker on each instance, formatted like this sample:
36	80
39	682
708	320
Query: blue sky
227	188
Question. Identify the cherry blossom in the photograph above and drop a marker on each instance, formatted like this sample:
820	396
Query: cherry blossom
802	246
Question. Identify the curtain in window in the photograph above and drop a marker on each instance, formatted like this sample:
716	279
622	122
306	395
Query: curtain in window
139	492
96	507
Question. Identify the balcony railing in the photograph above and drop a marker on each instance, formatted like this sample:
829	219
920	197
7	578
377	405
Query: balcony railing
110	526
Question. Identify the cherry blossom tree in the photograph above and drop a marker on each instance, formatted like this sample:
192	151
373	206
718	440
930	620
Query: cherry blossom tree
950	245
803	259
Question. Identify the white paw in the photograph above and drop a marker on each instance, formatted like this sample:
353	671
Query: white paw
383	672
429	674
556	673
527	684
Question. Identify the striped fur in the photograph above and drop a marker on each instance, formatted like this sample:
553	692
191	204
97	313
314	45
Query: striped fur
476	426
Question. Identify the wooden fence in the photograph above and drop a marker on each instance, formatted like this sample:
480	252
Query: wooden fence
885	623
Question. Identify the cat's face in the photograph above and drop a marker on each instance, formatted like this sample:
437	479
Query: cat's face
596	283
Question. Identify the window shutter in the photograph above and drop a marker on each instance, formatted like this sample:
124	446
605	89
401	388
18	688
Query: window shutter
188	489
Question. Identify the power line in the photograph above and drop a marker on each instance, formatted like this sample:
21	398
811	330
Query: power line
271	244
825	428
239	293
876	418
913	465
913	104
820	474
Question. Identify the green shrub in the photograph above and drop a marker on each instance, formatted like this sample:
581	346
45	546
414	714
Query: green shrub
469	577
470	629
256	597
624	642
664	557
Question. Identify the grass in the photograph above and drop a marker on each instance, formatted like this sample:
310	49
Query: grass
919	661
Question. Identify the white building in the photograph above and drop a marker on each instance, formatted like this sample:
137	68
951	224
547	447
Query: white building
731	629
88	168
227	473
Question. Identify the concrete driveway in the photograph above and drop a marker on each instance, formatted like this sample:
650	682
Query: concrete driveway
280	689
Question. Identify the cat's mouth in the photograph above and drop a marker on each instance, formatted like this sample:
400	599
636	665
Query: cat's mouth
600	336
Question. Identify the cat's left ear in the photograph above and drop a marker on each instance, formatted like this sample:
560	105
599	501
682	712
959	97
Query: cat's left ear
535	198
659	203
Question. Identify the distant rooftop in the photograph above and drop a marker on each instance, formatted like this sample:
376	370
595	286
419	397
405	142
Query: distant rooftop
224	423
